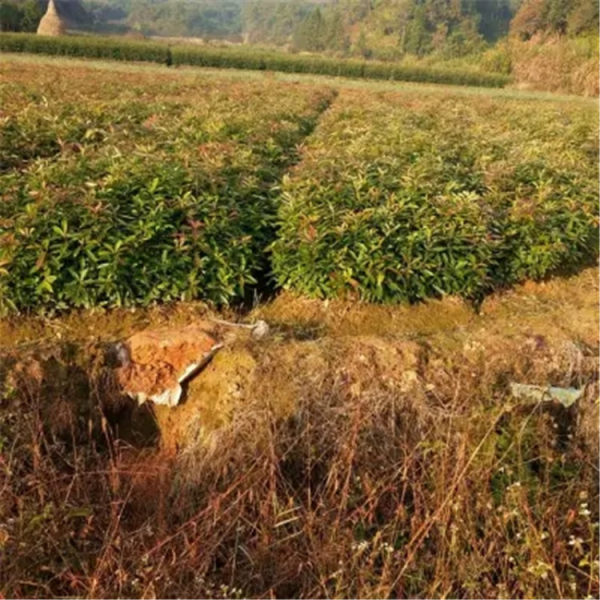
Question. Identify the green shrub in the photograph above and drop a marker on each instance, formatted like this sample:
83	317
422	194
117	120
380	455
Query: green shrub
144	240
130	189
127	201
402	198
86	46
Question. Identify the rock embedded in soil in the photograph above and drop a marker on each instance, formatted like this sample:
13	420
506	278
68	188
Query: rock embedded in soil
154	363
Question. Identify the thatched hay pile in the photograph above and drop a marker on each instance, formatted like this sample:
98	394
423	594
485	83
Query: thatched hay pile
51	23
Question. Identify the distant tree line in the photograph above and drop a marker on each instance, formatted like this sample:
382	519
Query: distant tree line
20	16
205	18
382	29
408	26
450	28
369	28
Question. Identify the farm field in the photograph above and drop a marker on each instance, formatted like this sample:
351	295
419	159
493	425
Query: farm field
403	198
418	253
163	192
171	190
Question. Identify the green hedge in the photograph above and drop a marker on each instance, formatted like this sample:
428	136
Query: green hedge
85	47
403	199
238	58
148	237
294	63
142	189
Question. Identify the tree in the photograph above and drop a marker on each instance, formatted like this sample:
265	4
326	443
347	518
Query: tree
494	18
584	17
529	19
11	17
463	40
556	15
417	38
32	15
362	45
336	38
311	33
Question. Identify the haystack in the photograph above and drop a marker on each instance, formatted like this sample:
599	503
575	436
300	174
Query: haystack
51	23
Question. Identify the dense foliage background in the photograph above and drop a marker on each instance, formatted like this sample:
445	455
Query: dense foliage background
542	44
380	28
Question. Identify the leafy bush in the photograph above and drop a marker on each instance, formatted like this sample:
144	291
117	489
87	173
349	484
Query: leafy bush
400	198
322	65
138	188
130	201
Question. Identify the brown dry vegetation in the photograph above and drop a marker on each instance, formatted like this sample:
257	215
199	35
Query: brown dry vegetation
358	451
558	65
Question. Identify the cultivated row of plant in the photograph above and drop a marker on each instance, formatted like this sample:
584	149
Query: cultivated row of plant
239	58
402	198
130	188
122	189
88	46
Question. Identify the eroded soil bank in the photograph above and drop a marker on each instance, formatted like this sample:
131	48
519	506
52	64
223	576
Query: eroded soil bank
355	450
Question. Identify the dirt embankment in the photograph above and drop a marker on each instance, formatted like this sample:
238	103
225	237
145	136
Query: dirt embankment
378	438
545	334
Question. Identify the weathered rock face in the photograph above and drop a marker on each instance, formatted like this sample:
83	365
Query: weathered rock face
154	363
51	23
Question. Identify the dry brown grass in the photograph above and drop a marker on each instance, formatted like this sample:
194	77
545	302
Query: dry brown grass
557	66
359	451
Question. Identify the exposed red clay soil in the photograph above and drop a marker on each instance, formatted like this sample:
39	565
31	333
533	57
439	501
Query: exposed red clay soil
157	358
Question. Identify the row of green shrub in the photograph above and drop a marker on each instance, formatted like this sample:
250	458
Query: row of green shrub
148	194
320	65
146	240
85	47
236	58
403	200
132	188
